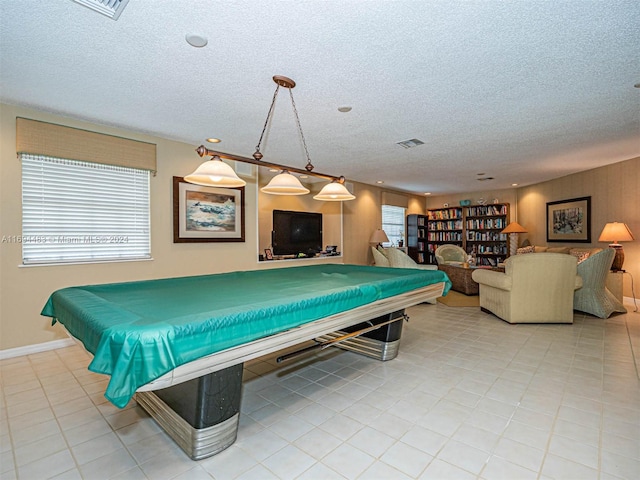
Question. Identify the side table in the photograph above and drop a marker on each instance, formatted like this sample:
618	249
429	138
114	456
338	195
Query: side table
614	284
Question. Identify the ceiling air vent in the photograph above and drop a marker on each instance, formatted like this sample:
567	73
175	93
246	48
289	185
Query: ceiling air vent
414	142
110	8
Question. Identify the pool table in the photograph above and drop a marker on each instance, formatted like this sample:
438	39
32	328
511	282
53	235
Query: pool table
181	341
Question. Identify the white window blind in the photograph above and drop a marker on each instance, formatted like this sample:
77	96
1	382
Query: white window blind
393	223
74	212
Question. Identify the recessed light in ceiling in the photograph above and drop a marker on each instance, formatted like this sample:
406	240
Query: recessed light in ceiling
480	173
414	142
196	40
514	184
484	178
344	109
213	140
379	182
427	193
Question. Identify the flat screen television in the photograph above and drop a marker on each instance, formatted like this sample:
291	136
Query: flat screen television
296	232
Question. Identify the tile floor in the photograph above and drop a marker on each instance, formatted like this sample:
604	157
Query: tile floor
468	397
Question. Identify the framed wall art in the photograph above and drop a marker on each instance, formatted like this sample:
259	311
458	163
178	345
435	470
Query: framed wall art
207	214
569	220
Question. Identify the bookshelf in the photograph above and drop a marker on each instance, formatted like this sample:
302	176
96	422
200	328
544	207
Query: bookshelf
475	228
483	224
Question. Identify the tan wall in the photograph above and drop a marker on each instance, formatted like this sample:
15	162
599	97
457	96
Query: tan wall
24	290
615	196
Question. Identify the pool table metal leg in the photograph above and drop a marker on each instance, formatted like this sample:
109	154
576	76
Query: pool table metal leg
201	415
382	344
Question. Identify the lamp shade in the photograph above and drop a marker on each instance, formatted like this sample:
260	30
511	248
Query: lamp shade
334	192
285	184
215	173
514	227
379	236
615	232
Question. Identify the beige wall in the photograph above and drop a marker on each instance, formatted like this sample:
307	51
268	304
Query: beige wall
24	290
615	196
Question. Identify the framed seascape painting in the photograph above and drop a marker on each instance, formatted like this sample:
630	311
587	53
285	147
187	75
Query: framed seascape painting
569	220
207	214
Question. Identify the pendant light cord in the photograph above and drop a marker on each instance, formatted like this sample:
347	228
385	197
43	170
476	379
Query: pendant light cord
266	122
258	155
309	166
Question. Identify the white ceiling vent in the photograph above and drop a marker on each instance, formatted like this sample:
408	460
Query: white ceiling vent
414	142
110	8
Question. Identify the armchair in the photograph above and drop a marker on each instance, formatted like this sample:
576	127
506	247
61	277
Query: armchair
449	253
533	288
594	297
392	257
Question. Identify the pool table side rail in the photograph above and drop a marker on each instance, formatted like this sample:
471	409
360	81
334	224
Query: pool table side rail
289	338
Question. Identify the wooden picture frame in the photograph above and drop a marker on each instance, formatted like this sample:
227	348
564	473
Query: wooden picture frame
207	214
569	220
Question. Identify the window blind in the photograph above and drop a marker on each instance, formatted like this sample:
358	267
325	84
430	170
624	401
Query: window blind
58	141
76	211
393	223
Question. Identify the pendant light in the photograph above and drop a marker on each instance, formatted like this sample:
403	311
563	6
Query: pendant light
285	184
215	173
218	174
334	192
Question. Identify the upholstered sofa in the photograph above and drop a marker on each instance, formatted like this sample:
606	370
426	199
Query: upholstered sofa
395	258
532	289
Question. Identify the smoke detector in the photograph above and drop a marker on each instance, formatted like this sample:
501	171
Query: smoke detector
109	8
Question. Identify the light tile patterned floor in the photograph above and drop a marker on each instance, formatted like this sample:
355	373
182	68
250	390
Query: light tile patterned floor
468	397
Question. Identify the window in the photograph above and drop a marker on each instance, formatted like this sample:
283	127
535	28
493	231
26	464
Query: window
393	223
74	212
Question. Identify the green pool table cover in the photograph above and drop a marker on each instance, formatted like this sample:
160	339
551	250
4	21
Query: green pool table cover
138	331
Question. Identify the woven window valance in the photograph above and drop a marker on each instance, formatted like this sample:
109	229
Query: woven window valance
395	199
42	138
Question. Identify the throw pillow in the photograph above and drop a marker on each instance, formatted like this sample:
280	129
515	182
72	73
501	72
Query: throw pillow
399	259
522	250
380	259
580	255
540	249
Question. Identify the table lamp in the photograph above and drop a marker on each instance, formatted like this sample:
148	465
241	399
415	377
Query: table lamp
513	229
379	237
616	232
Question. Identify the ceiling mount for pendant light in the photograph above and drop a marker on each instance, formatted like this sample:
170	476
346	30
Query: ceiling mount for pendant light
282	184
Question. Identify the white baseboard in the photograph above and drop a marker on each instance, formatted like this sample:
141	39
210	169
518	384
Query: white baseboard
37	348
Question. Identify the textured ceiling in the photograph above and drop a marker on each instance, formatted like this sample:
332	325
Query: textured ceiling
523	91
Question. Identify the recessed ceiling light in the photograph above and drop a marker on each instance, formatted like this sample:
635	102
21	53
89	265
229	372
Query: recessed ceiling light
427	193
344	109
196	40
213	140
484	178
379	181
480	173
514	184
